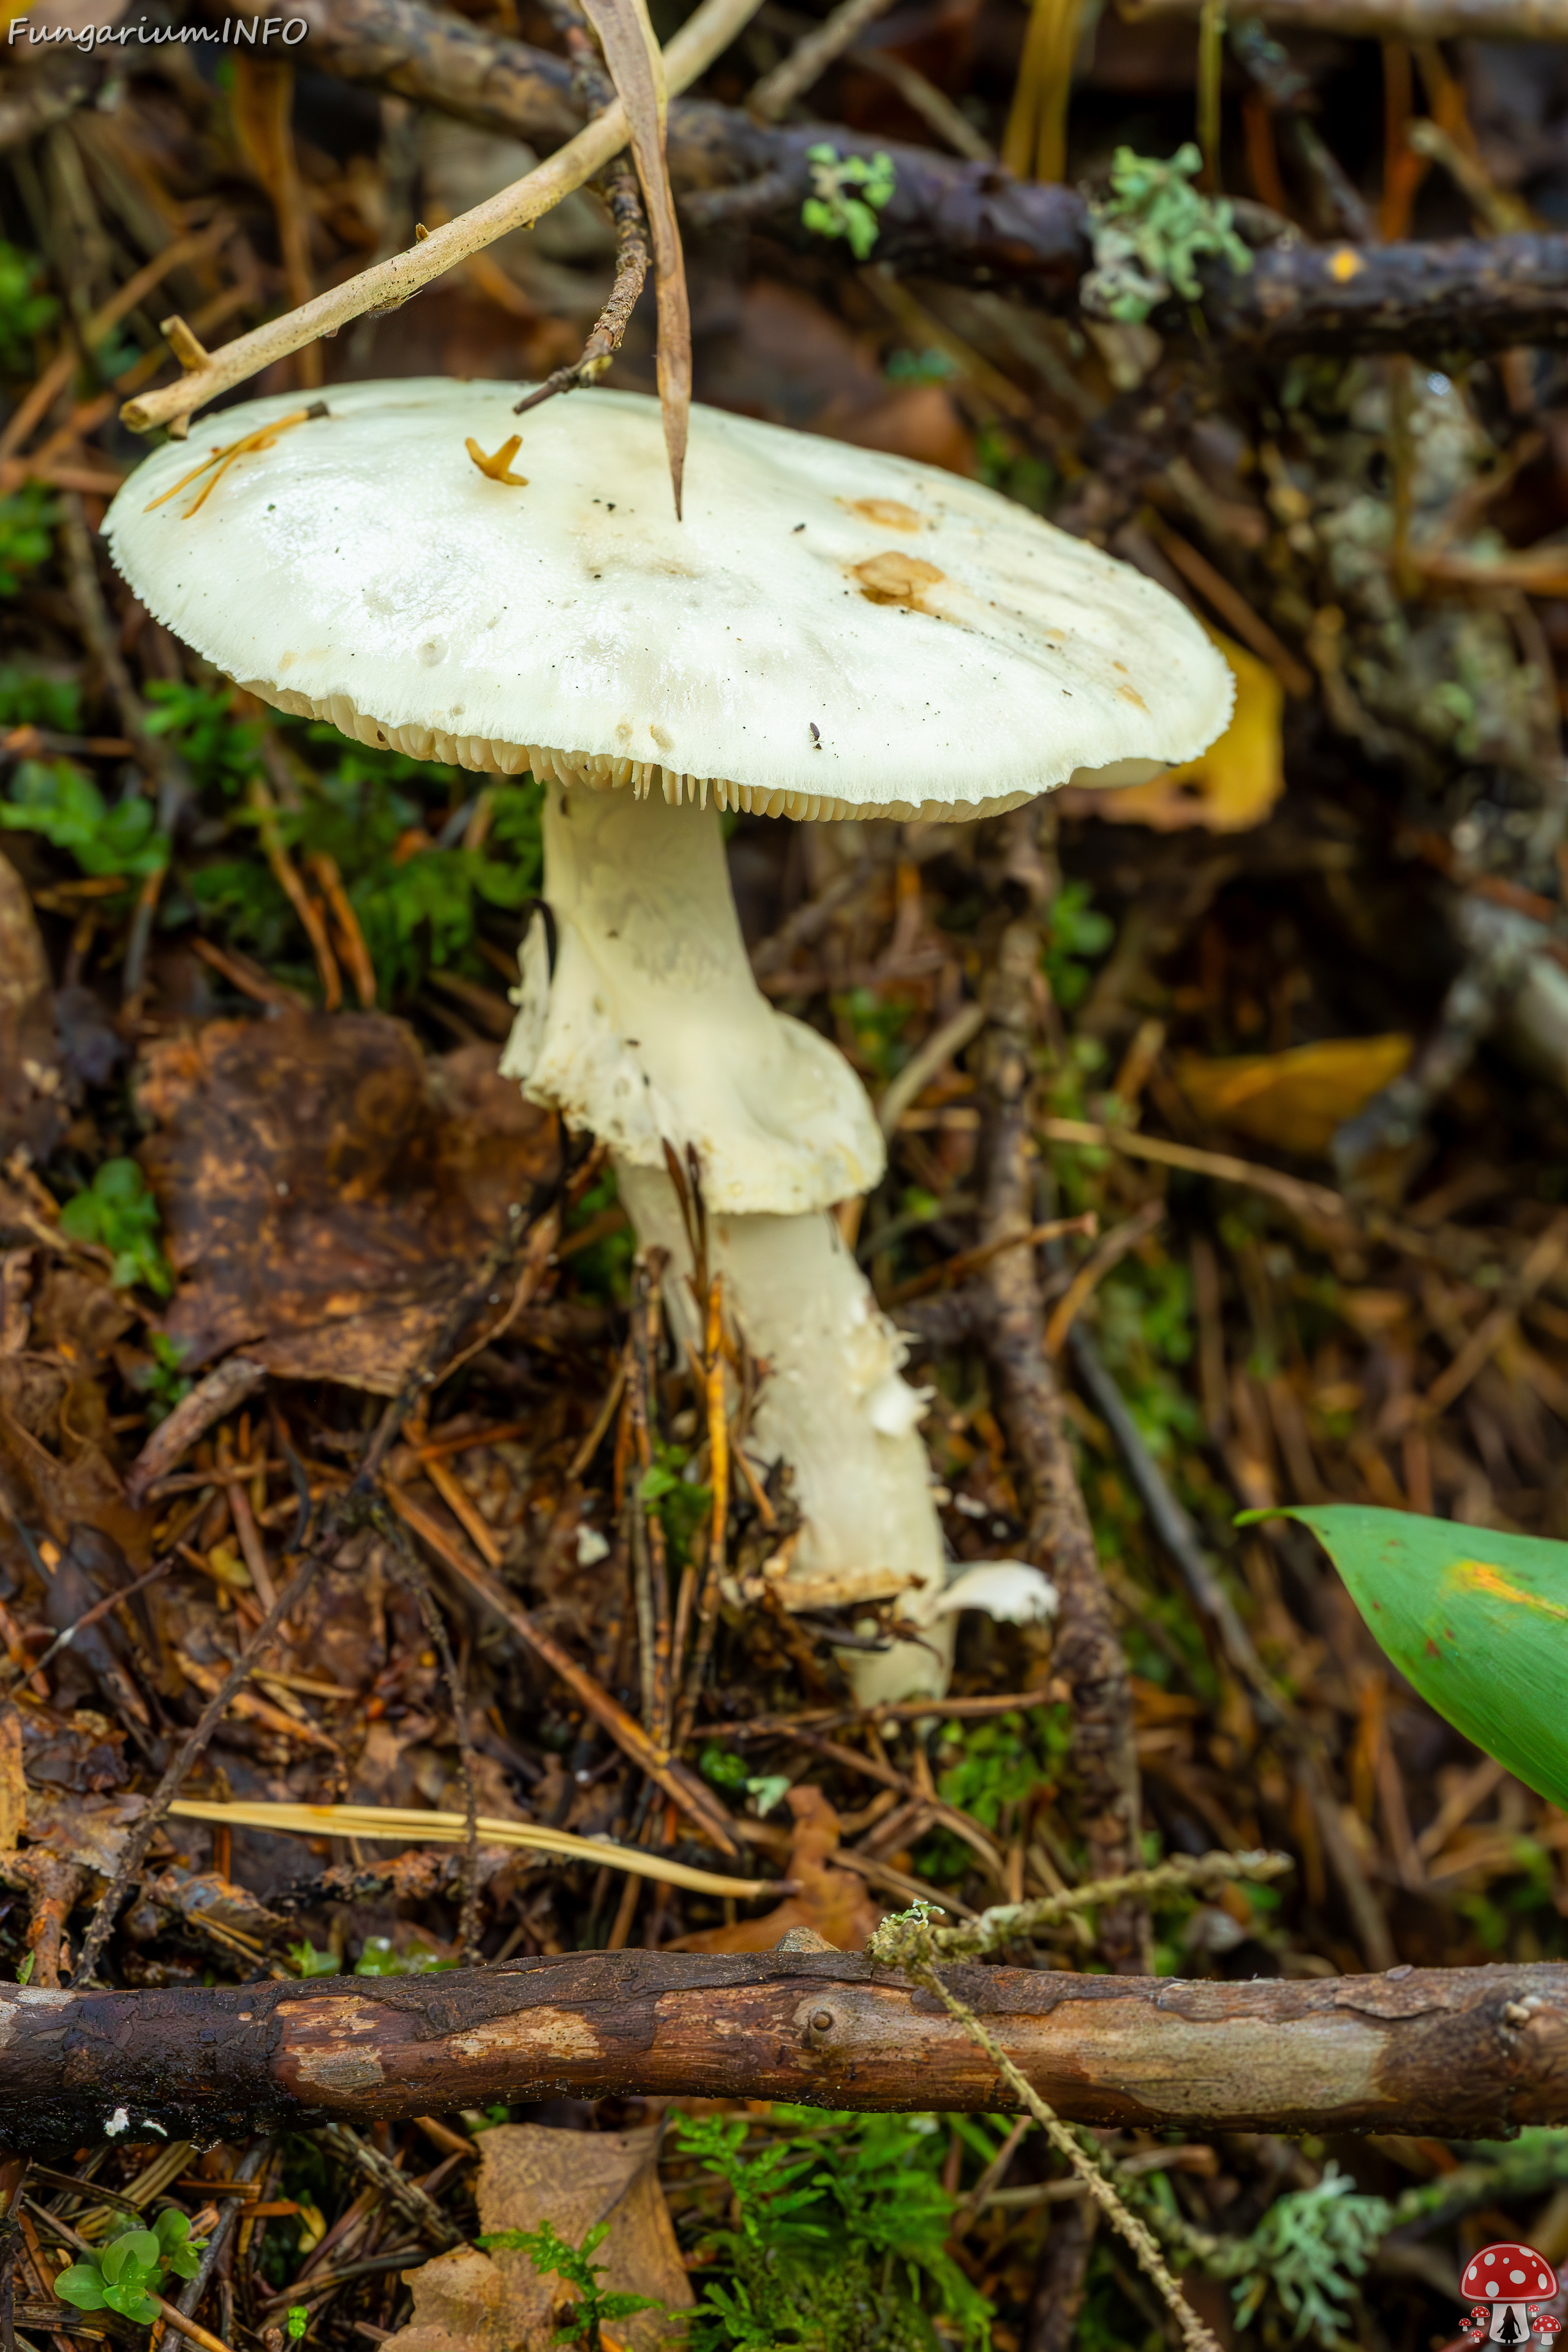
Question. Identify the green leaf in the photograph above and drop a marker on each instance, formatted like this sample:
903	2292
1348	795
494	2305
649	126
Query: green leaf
1475	1619
26	308
131	2299
312	1962
119	1213
138	2250
81	2285
61	801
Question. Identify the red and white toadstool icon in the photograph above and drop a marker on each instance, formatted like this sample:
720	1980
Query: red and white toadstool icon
1546	2327
1506	2281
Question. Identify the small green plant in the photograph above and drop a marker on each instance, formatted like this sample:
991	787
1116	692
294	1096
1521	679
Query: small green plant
1310	2247
118	1213
603	1269
219	749
999	1763
877	1028
1151	232
681	1504
553	2258
28	519
27	698
164	1383
312	1961
930	366
26	308
831	210
377	1959
724	1769
836	2237
417	903
1076	934
129	2274
61	801
1004	462
987	1767
297	2319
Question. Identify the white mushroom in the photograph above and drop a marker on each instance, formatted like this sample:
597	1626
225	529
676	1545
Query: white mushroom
831	633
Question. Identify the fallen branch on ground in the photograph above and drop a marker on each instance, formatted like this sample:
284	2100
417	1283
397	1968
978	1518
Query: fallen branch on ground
1470	2053
971	222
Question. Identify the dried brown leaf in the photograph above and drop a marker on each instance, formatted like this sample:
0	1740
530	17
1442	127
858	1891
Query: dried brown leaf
832	1903
326	1189
54	1457
467	2301
636	69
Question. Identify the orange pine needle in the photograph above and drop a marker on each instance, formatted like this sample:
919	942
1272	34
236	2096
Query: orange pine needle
497	469
223	459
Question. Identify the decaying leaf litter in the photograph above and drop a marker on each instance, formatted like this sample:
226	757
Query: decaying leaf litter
1301	1065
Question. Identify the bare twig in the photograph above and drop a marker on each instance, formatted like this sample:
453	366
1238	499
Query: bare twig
1088	1652
810	59
389	283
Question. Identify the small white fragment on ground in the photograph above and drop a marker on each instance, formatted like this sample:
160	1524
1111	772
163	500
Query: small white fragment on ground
118	2122
1007	1589
591	1548
148	2125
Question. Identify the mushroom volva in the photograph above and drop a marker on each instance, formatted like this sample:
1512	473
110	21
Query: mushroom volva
830	633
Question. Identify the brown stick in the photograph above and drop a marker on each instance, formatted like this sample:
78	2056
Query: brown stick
972	220
1087	1653
1470	2053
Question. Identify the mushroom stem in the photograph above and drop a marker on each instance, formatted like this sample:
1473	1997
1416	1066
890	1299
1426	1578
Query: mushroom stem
651	1031
833	1407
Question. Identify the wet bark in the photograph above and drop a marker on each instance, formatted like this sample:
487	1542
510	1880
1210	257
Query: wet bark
972	223
1470	2053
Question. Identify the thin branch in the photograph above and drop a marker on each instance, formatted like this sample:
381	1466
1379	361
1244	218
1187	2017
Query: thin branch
618	187
810	59
703	38
1468	2053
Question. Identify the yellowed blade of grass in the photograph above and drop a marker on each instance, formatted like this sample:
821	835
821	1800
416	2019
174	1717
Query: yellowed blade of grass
409	1825
636	69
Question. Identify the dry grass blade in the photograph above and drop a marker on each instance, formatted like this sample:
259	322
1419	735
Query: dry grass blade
410	1825
636	69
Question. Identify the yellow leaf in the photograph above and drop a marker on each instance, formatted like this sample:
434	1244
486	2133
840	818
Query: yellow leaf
312	2228
1233	785
229	1569
1293	1100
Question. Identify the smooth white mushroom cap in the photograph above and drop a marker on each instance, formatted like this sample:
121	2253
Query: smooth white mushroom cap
830	633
